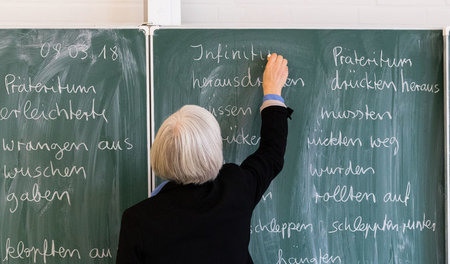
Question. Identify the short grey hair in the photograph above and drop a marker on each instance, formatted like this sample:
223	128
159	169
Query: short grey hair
188	147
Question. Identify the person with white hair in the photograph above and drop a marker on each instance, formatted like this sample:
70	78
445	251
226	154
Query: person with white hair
202	213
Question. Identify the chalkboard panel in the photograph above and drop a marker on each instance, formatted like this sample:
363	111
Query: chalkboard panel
363	180
73	141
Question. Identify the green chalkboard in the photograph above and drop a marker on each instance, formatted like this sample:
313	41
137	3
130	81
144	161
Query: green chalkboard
73	140
363	180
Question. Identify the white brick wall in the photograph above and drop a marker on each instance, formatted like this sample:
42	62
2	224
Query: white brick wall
318	13
75	13
260	13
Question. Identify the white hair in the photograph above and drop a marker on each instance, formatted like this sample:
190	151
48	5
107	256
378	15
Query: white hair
188	147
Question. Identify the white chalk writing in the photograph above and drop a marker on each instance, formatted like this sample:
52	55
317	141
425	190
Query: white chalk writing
229	110
248	80
335	141
398	198
45	171
221	52
348	170
345	56
241	138
97	253
115	145
411	86
16	145
359	225
372	82
36	196
38	254
322	258
16	84
284	228
344	194
55	112
364	114
388	142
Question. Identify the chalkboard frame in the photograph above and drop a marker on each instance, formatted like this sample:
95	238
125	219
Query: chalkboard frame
446	85
147	31
446	33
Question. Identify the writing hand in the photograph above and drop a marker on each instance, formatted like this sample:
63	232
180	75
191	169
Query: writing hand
275	74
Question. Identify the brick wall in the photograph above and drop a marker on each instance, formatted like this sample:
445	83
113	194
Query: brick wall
272	13
318	13
65	13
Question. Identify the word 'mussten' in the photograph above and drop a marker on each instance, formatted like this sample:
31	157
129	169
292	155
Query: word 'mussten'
358	114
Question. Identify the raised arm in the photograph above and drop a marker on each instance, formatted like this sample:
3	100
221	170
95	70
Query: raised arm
263	165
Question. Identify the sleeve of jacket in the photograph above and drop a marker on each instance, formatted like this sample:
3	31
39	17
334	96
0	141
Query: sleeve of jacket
267	161
129	239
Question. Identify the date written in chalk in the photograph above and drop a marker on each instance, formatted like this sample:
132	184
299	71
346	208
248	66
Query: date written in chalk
78	51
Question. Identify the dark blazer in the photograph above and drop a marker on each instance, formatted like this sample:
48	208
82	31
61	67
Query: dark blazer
207	223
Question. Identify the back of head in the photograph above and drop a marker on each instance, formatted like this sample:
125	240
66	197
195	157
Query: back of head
188	147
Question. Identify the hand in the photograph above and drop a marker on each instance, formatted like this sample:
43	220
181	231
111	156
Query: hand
275	74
